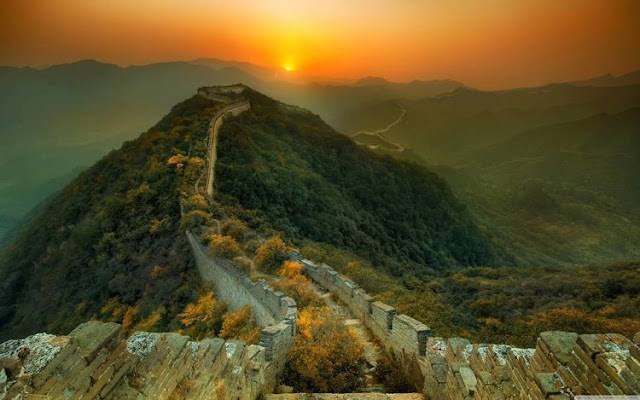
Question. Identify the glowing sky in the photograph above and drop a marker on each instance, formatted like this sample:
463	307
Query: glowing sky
485	43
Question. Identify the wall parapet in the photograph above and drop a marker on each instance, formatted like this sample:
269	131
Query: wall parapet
270	307
96	361
561	366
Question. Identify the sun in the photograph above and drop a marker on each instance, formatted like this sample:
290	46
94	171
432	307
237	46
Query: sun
288	67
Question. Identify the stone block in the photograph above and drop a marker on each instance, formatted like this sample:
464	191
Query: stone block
468	380
560	344
94	335
549	383
613	364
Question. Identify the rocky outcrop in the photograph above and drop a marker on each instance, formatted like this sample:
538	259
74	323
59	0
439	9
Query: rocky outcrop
562	365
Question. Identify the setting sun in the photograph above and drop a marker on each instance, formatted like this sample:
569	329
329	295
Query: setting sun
288	68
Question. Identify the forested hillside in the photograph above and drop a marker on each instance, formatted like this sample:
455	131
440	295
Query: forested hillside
111	245
58	120
445	129
561	194
311	182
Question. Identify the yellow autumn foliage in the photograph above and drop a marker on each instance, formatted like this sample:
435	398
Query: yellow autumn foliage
240	325
204	317
290	269
271	254
147	324
224	246
325	357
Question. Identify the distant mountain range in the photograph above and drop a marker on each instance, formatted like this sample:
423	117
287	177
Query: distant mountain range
57	119
632	78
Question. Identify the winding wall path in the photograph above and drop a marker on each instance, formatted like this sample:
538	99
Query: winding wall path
232	109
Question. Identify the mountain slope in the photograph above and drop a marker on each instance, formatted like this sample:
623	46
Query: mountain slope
447	128
311	182
111	244
62	117
631	78
108	246
560	194
601	152
65	116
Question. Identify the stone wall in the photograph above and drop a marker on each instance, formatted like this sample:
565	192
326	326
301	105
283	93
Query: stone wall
95	361
271	308
234	108
400	333
561	366
221	93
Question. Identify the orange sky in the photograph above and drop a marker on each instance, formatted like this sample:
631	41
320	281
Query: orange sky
484	43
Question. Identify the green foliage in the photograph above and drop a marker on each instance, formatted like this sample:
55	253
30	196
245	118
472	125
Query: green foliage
513	305
310	182
102	237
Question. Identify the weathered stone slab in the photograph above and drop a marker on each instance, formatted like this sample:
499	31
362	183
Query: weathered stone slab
560	344
94	335
549	383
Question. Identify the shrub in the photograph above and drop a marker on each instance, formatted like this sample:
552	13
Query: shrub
296	285
271	254
204	318
325	356
240	325
235	228
224	247
194	218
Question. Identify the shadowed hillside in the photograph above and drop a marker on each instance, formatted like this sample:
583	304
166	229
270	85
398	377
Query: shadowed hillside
311	182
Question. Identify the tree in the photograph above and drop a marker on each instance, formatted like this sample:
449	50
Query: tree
296	285
224	247
235	228
271	254
290	269
325	357
195	218
240	325
203	318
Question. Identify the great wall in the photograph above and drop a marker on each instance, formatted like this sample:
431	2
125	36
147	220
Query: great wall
96	361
